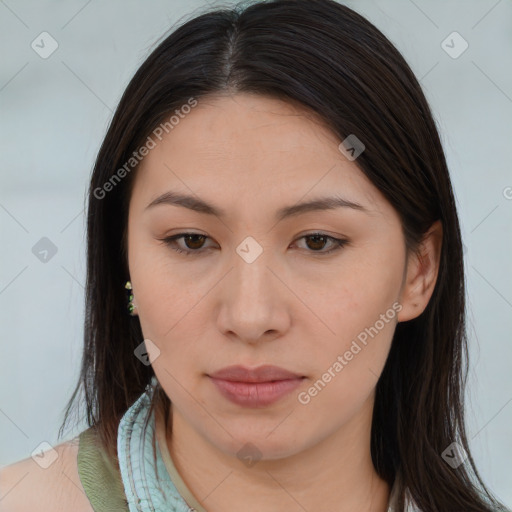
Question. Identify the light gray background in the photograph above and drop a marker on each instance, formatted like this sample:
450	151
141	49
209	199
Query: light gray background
54	114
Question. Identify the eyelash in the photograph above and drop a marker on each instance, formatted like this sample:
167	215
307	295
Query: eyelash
169	241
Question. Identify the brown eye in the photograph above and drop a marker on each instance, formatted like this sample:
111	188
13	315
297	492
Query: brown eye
317	241
193	243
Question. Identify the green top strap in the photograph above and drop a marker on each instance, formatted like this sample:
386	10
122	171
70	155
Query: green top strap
100	478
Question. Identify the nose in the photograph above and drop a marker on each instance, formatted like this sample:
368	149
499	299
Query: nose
254	301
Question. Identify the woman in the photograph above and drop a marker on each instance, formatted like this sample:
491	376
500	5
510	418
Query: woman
272	204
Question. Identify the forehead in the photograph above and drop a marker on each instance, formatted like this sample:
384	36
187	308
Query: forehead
245	125
247	145
255	116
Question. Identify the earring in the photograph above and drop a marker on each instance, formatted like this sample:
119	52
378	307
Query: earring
131	303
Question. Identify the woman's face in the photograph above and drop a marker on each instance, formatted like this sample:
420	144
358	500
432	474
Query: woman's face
255	285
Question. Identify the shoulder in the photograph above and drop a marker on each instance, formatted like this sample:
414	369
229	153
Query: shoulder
50	484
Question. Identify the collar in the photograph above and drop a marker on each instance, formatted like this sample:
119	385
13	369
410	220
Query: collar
144	491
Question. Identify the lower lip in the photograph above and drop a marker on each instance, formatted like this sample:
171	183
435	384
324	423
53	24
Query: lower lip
256	394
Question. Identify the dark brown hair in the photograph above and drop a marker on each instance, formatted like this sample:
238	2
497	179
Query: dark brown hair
337	65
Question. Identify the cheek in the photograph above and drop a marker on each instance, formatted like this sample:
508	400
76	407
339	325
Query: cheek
164	294
360	310
347	366
353	296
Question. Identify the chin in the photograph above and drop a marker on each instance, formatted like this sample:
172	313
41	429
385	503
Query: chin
260	441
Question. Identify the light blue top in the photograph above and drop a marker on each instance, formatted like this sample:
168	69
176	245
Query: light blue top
144	491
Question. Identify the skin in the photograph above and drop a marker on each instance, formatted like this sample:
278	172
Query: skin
292	307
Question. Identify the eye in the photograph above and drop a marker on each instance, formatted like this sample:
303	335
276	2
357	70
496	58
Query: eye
319	240
194	243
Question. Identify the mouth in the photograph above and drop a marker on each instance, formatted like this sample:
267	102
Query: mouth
256	387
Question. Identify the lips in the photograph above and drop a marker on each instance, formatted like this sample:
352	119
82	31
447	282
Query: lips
255	387
266	373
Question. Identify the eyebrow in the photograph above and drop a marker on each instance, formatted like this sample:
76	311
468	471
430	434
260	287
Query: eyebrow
201	206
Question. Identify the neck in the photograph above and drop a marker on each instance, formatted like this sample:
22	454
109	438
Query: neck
337	473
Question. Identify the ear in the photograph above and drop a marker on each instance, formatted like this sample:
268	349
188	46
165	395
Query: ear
421	275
